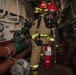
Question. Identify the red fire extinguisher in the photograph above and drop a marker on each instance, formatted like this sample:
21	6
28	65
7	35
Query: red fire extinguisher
48	56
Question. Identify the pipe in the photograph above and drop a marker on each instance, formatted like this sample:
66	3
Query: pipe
6	66
7	19
2	14
23	54
10	49
31	10
28	5
12	17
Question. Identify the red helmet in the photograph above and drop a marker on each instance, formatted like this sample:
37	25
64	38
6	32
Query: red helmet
52	7
43	4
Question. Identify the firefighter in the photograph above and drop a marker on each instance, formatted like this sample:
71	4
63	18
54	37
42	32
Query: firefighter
40	33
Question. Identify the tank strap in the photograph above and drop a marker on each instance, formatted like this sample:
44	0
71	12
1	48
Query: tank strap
38	23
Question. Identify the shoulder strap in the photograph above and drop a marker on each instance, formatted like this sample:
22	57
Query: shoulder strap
39	21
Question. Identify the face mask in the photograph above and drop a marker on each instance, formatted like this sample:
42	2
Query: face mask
49	21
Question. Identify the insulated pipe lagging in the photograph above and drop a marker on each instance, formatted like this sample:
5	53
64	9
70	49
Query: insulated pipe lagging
10	49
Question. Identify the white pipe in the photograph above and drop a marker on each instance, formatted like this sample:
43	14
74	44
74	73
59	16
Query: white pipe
2	14
13	17
7	19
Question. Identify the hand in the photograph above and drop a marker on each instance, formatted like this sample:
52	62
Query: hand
38	42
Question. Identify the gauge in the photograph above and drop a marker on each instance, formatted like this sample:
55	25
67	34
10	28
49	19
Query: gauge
1	27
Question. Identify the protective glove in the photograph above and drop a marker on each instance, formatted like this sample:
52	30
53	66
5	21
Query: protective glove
38	42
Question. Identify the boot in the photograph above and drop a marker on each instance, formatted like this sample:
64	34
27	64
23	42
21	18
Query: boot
34	72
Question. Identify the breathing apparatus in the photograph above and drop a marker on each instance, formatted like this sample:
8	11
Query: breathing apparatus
50	12
50	16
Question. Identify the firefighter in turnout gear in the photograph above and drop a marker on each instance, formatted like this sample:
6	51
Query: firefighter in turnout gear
40	34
